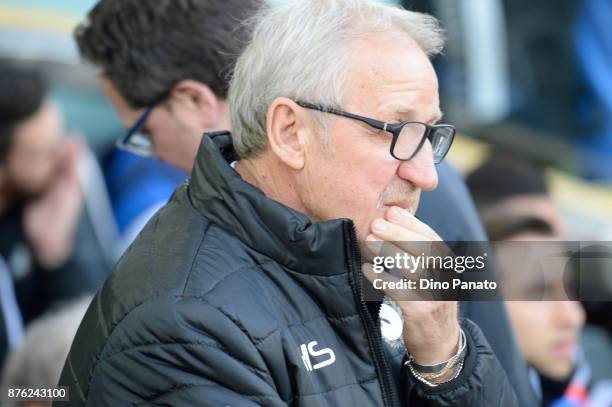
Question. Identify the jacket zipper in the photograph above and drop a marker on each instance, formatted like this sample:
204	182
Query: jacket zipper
372	325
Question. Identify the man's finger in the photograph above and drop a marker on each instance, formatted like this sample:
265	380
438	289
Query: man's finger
404	218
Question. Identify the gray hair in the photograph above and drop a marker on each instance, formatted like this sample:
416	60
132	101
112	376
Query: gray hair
40	359
299	49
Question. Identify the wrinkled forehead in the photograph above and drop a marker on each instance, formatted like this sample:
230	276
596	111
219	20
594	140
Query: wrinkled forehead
389	70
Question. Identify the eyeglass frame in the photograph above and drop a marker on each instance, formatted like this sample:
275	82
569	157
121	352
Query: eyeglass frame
393	128
123	143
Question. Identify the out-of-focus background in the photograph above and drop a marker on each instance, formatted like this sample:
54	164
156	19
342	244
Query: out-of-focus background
38	34
534	79
528	79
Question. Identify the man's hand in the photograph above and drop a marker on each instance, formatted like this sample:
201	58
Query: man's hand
50	222
431	328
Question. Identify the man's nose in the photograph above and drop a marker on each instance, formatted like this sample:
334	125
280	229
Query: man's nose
420	170
570	314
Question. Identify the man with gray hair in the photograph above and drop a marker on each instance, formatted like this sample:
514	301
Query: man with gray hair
247	288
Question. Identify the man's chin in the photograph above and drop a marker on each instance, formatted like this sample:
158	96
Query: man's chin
410	206
558	371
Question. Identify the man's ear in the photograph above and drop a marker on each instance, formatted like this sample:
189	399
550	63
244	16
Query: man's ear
287	129
196	102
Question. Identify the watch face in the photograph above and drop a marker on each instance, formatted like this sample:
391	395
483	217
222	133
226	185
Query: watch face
391	324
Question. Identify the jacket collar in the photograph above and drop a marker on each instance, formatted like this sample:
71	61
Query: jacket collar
287	236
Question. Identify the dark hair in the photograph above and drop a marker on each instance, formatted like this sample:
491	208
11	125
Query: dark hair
503	176
22	93
503	228
145	47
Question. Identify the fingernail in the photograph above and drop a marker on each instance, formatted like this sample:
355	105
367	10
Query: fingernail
372	238
396	214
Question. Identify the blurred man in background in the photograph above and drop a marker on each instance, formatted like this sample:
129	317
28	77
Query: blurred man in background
513	199
47	245
165	67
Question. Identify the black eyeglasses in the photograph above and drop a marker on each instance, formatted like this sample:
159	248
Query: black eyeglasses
408	136
135	141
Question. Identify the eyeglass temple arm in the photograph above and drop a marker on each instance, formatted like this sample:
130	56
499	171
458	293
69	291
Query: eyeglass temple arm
377	124
139	123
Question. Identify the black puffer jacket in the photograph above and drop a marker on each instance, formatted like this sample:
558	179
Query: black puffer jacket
228	298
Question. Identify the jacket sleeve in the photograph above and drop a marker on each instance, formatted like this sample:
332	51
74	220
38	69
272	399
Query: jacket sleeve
179	352
481	383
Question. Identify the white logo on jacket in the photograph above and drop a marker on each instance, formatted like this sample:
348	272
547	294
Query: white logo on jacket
309	350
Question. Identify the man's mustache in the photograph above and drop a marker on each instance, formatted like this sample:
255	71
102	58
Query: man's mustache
397	192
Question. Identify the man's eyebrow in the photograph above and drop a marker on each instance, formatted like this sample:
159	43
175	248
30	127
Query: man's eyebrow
400	111
403	111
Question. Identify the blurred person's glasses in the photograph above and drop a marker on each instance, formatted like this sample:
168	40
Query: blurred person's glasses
136	140
408	136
